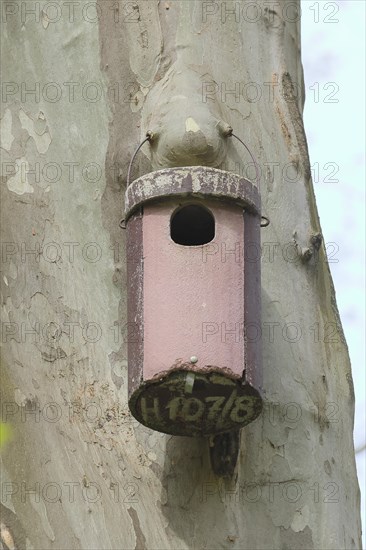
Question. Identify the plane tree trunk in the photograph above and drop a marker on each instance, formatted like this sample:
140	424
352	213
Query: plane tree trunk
77	470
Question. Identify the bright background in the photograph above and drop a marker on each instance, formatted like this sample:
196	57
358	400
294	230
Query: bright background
333	51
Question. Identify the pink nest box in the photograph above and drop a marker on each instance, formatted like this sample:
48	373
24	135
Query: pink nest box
193	257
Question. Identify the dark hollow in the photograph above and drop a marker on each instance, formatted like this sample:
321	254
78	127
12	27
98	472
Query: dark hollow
192	225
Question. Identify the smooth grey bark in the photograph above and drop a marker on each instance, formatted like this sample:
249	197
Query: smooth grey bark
79	472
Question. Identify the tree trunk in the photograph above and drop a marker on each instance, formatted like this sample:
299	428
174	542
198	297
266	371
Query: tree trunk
78	471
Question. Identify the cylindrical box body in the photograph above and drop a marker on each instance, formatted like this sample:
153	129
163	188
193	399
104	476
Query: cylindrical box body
193	257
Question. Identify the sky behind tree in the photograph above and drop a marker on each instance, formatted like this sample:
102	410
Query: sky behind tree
333	55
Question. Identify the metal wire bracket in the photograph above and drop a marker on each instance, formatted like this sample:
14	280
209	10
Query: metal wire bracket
229	133
149	136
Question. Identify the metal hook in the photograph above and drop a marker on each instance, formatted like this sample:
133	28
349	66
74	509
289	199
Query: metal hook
149	136
229	133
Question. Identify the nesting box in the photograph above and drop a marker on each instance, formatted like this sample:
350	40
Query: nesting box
193	267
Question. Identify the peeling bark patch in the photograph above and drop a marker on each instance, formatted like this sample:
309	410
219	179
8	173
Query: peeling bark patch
118	365
191	125
145	58
301	540
42	140
327	467
285	131
143	39
12	535
53	354
140	538
6	137
45	20
301	519
19	183
6	537
272	19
